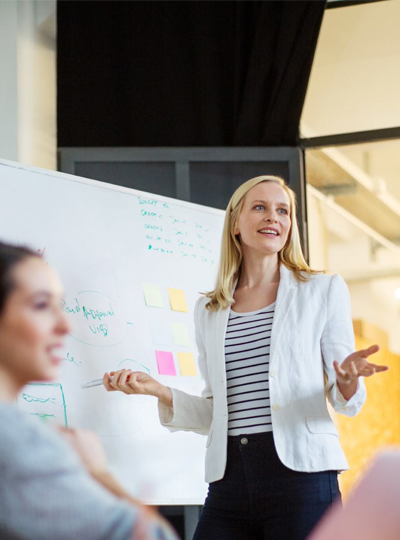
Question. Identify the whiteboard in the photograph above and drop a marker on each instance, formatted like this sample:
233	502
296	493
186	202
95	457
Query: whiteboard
123	256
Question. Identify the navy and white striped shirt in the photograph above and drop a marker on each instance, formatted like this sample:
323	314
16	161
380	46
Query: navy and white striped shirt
247	345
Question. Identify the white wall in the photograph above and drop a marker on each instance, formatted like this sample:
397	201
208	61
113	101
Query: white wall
8	81
28	82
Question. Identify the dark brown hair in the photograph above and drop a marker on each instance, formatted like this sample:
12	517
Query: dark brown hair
10	257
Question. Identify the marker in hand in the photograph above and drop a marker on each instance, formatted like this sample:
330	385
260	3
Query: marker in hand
134	382
97	382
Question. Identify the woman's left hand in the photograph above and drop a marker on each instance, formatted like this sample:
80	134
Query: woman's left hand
356	365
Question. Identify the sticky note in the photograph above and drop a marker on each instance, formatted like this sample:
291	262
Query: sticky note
181	334
152	295
187	365
177	300
160	332
165	363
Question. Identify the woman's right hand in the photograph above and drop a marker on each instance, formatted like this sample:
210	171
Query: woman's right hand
137	382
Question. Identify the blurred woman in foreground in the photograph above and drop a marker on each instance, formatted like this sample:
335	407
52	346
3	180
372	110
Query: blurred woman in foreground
49	490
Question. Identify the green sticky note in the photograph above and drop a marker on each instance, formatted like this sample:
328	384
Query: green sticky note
152	295
180	334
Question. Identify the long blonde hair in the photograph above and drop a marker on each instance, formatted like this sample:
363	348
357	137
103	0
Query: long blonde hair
291	255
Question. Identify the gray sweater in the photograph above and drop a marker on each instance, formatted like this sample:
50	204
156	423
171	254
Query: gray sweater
46	493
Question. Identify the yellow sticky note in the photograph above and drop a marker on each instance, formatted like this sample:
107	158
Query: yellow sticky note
152	295
177	299
186	364
181	334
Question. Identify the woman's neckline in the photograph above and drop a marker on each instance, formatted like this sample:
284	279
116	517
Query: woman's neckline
253	312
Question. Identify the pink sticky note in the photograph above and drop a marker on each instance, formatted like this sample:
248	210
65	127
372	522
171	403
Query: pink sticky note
165	363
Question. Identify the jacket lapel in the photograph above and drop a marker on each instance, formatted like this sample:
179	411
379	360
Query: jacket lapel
220	332
286	291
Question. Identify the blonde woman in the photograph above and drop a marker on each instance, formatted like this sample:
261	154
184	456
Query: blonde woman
275	339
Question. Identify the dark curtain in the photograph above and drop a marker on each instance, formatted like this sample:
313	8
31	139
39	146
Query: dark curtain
194	73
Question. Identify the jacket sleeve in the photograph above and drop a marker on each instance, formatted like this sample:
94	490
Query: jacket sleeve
336	344
191	413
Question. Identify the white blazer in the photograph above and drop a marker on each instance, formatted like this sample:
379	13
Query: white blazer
312	327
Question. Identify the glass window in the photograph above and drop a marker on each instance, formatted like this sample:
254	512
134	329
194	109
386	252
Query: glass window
213	183
355	79
152	177
353	205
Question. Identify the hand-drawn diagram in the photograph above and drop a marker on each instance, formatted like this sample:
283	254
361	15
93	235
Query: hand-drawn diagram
96	319
45	401
134	365
118	240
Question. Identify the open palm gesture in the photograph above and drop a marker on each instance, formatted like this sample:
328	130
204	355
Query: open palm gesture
356	365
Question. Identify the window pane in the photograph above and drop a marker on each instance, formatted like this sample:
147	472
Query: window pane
353	209
213	183
153	177
355	79
353	206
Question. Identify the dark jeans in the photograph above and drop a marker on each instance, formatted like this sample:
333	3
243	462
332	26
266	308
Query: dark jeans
261	499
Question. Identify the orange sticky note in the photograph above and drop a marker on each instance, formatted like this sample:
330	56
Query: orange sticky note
177	300
186	364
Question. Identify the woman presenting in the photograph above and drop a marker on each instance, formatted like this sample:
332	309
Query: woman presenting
275	339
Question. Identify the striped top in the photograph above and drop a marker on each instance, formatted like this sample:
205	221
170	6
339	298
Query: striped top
247	343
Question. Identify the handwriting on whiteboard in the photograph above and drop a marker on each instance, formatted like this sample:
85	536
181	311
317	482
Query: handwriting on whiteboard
166	233
96	319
